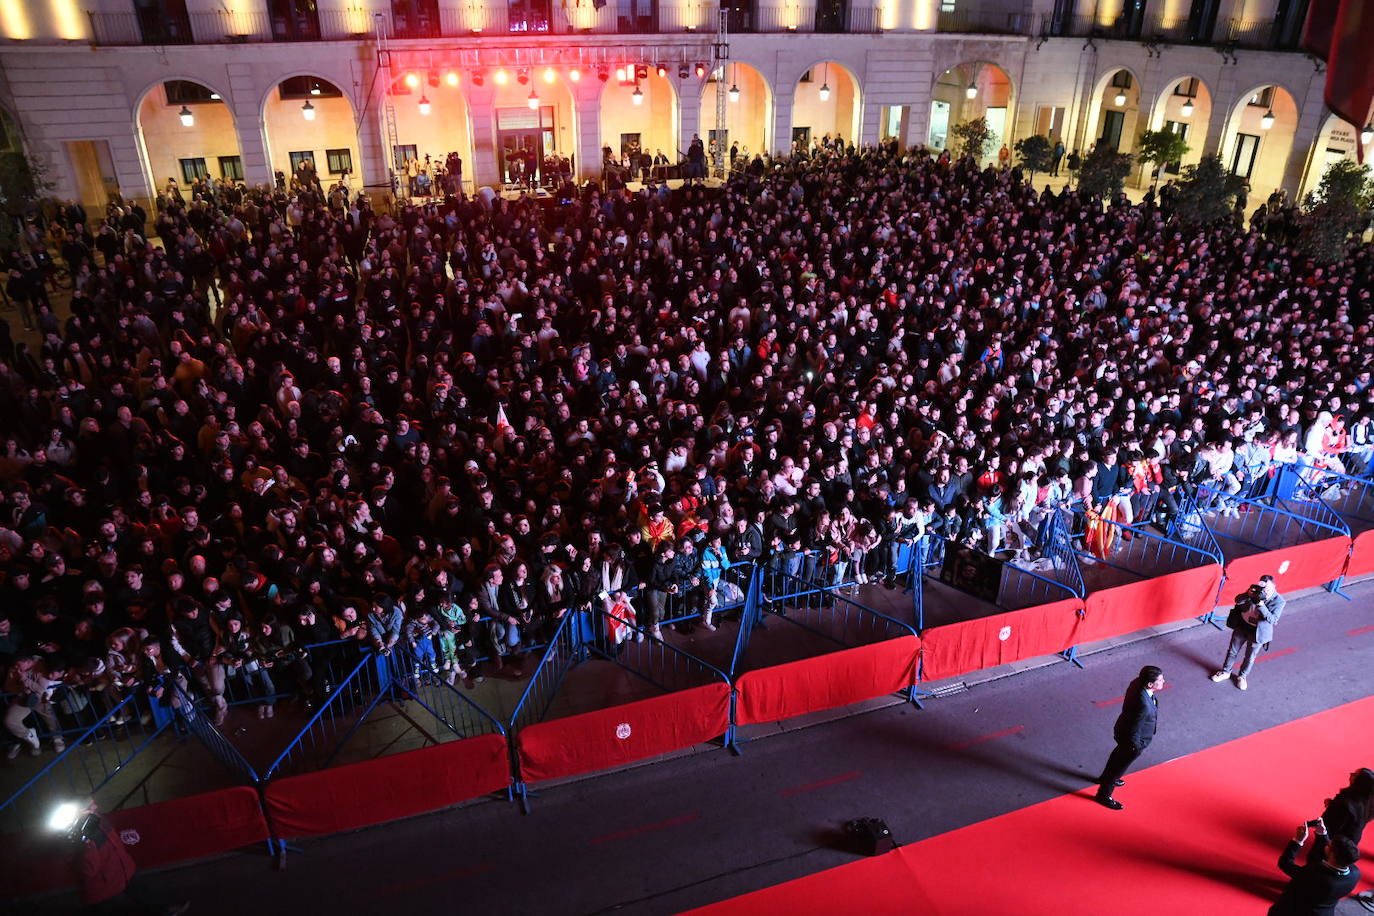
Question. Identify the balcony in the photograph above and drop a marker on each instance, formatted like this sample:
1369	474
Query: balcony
1265	34
140	29
998	22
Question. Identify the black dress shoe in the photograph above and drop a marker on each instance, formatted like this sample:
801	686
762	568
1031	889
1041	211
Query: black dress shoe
1107	801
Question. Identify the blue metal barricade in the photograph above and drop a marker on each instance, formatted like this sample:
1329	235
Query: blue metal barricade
1352	498
327	663
453	710
692	604
336	719
1053	576
1151	554
1265	524
192	714
838	618
565	650
749	618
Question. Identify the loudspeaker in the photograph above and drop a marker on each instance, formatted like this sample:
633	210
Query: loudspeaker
870	836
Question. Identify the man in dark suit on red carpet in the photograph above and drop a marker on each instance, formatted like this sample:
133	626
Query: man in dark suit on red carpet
1329	874
1134	730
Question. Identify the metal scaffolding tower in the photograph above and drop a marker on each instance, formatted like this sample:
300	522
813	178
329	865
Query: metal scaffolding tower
390	135
720	60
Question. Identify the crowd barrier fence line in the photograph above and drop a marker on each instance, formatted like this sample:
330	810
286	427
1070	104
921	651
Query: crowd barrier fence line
878	655
1350	497
1014	634
1318	554
364	686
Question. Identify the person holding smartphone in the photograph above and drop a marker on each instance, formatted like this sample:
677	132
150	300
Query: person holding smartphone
1329	875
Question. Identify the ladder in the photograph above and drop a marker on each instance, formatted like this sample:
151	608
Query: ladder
390	134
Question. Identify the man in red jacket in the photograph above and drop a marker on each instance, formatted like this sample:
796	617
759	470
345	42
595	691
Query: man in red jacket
106	870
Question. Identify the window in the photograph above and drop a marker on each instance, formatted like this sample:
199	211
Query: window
231	168
191	169
1112	124
299	157
1121	79
185	92
1243	160
529	16
1187	88
405	152
294	20
339	161
805	77
946	6
1263	99
1049	122
639	16
307	87
163	22
415	18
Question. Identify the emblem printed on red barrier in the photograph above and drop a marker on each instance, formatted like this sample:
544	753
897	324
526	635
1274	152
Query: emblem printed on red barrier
1283	567
622	731
1004	634
129	836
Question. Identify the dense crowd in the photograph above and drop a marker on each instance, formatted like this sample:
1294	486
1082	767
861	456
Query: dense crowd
296	419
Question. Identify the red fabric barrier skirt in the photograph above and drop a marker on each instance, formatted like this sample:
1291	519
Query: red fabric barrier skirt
986	642
1361	562
158	834
387	788
189	828
623	734
1293	568
826	681
1138	605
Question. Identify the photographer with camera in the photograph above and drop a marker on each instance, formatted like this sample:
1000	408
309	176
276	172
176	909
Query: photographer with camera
1252	627
1330	872
106	872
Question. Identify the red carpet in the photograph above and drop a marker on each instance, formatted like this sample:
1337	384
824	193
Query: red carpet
1200	834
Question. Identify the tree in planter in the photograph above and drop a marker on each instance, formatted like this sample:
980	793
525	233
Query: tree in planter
1207	193
1161	147
22	182
1336	211
1034	154
974	138
1103	173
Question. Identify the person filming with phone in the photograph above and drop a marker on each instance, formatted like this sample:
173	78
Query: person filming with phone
1330	872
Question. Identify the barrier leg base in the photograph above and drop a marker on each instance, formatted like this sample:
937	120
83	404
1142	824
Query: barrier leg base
914	694
278	849
524	793
1210	617
1071	655
1334	587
